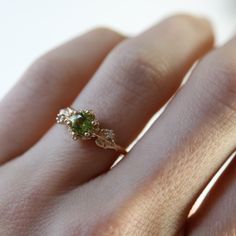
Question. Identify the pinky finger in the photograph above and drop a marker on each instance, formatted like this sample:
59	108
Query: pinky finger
217	214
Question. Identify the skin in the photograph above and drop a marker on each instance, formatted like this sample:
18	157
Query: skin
51	185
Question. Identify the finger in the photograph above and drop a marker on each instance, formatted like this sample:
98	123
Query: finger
217	214
167	169
30	107
136	79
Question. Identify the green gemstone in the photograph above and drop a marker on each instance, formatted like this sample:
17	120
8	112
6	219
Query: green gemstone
82	123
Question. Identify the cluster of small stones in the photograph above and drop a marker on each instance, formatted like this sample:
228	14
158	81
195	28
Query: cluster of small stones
81	124
108	134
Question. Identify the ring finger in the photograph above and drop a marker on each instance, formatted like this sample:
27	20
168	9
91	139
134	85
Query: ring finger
29	109
136	79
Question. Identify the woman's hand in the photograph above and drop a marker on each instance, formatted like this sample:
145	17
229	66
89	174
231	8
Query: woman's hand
51	185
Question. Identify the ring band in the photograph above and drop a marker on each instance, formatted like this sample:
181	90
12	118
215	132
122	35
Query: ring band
83	124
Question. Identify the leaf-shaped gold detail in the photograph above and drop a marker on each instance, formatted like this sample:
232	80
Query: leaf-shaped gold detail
105	138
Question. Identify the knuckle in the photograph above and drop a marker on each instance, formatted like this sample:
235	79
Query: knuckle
140	70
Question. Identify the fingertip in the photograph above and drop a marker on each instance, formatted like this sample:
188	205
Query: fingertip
107	32
200	24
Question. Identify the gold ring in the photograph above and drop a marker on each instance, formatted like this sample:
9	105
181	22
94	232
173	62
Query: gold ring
84	125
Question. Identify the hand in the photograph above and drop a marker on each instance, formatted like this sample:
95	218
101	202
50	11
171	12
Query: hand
52	185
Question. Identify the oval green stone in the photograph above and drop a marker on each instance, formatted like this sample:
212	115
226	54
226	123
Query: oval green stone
82	123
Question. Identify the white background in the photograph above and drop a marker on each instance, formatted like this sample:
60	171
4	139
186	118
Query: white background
28	28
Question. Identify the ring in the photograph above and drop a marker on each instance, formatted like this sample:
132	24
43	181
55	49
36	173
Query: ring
84	125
